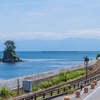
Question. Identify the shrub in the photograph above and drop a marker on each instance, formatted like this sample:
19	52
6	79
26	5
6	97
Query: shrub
68	71
34	88
82	72
78	73
23	92
81	69
45	84
6	92
49	80
55	80
12	93
63	78
1	98
68	76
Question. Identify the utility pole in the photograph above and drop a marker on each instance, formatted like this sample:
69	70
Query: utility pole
86	60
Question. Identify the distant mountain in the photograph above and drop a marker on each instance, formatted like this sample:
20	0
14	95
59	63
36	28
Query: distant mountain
70	44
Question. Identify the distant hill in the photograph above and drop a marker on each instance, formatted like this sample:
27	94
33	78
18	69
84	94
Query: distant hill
70	44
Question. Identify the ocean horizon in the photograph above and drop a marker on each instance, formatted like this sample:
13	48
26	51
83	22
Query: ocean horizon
42	61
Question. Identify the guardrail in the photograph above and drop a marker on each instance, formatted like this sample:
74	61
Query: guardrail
45	95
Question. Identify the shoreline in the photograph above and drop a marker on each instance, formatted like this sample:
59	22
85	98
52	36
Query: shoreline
20	60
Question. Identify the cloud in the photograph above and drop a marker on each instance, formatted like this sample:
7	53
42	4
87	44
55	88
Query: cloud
89	34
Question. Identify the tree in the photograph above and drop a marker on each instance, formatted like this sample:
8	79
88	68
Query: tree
10	45
9	53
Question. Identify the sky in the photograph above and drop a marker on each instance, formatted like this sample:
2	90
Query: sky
50	25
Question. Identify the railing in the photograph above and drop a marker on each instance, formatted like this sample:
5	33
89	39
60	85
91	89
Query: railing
45	95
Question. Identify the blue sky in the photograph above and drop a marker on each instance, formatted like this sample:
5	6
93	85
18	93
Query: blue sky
49	20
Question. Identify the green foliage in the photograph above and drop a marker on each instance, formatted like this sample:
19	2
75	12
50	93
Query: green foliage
10	45
34	88
98	55
44	85
55	80
6	92
68	71
9	52
62	78
81	69
1	98
22	92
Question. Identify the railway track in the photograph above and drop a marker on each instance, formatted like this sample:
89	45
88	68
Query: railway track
92	74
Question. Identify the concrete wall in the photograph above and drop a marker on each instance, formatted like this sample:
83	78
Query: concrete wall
40	77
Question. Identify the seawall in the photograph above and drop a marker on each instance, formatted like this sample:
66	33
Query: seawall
40	77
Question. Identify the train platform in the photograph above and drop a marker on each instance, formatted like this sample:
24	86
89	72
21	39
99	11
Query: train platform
93	94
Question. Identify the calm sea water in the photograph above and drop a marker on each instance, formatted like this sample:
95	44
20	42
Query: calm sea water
38	62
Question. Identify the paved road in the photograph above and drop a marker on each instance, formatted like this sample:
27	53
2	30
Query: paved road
93	94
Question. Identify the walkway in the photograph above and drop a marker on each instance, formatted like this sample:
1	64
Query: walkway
93	94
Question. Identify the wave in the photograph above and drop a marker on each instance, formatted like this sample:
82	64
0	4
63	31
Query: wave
45	59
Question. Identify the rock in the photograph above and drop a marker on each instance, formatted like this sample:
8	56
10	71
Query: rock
15	59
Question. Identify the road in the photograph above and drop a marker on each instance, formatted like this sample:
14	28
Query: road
95	95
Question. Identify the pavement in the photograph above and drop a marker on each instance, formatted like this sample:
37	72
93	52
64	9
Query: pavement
93	94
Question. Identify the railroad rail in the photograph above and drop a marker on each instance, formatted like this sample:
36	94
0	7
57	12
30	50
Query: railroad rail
44	94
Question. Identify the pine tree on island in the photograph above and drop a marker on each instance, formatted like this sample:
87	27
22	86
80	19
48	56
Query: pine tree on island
9	53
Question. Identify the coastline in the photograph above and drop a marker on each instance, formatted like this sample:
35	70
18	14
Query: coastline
37	78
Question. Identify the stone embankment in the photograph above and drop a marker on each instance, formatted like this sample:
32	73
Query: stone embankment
40	77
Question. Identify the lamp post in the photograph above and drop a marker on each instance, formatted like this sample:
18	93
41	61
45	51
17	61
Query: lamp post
86	60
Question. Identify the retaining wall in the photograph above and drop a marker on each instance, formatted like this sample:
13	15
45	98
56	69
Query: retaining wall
40	77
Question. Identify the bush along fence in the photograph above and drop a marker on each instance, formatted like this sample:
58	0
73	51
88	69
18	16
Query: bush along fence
57	91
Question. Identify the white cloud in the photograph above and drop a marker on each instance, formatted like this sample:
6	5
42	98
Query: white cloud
90	34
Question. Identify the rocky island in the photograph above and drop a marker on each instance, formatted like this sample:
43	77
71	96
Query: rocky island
9	53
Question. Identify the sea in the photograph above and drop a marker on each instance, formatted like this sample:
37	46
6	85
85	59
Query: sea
42	61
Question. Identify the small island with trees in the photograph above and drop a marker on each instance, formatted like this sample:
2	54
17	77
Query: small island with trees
9	53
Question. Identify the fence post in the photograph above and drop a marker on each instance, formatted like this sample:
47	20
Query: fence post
51	93
78	84
35	97
69	87
58	91
97	77
18	86
74	86
31	98
64	89
43	95
93	79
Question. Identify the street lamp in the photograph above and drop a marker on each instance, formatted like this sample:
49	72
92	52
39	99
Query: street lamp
86	60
